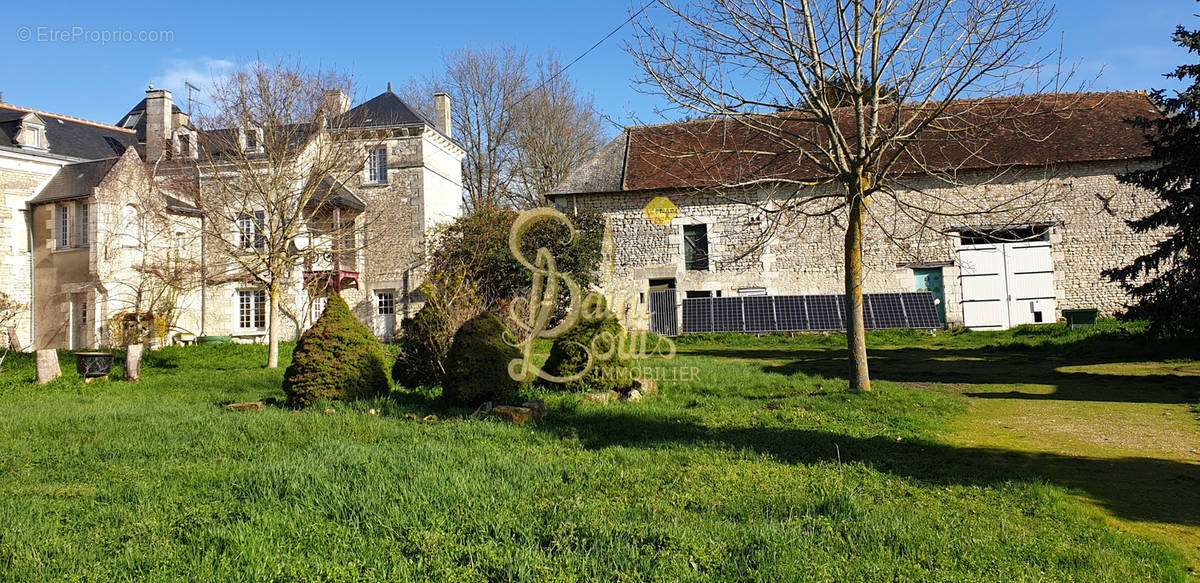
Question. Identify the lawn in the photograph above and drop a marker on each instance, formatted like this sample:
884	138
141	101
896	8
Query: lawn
1030	455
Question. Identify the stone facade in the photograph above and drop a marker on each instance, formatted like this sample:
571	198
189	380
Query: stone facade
1083	205
75	288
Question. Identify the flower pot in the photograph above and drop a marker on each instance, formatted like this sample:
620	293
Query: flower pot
92	365
215	339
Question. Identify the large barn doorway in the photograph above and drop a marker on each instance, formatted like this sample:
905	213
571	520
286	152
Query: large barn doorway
1007	278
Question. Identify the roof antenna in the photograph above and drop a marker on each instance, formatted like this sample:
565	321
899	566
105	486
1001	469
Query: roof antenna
190	89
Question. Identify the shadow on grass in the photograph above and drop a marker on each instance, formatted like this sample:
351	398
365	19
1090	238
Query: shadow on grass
992	366
1132	488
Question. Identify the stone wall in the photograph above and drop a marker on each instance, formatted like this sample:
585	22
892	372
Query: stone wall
789	253
20	180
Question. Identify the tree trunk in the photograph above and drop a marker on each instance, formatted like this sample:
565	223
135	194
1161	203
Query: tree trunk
273	330
47	365
133	362
856	332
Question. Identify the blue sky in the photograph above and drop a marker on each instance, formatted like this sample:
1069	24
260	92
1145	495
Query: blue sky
81	74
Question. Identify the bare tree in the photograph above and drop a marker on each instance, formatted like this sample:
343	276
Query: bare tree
484	85
847	89
270	161
152	260
557	129
10	309
523	130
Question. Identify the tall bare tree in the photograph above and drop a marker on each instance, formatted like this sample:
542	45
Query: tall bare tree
152	261
269	159
847	88
524	128
557	129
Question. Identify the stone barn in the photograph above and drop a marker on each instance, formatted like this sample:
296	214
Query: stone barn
1008	226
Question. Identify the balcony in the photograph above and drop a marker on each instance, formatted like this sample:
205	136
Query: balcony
331	269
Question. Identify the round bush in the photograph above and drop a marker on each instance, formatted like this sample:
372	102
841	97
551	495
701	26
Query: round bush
477	364
336	359
601	338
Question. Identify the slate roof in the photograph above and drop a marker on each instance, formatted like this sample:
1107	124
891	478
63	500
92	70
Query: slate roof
68	136
335	194
136	119
385	109
1047	130
74	181
603	172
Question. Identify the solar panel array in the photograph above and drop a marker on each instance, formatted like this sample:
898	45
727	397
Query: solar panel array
815	313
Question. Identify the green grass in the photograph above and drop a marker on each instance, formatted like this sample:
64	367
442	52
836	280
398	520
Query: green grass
763	469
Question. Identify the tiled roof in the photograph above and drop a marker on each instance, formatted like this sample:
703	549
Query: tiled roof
1035	130
74	181
68	136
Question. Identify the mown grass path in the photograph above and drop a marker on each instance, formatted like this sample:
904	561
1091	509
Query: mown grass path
1131	447
1080	409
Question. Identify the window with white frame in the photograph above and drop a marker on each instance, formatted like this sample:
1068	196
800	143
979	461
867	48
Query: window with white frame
34	136
62	223
251	230
130	226
252	310
81	223
385	302
252	141
377	166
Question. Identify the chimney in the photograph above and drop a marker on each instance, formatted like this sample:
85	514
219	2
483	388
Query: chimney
441	112
158	122
336	102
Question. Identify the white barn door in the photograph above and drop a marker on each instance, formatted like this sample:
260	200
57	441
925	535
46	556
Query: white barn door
1007	284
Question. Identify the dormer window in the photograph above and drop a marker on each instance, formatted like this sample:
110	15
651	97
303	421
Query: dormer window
32	136
252	140
37	136
185	145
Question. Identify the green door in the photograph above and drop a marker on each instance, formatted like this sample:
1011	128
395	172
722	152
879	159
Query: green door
930	279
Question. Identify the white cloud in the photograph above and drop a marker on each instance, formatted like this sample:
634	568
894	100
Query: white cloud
201	72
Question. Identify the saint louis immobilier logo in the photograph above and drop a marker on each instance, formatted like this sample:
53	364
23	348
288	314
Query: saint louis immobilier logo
544	305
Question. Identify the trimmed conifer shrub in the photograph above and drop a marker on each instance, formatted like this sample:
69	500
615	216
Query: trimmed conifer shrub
597	336
336	359
477	364
423	346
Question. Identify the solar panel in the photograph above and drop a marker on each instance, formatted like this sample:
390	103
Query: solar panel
887	311
697	315
759	314
727	315
807	313
922	312
826	312
791	315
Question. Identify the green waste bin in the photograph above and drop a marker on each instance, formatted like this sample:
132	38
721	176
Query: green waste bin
1081	318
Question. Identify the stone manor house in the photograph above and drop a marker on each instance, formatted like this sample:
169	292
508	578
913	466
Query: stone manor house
86	220
1015	225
